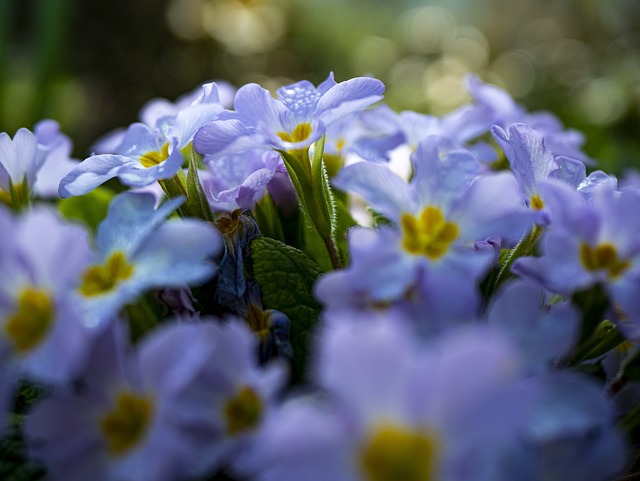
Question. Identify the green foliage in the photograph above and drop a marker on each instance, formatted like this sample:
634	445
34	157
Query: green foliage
286	276
89	209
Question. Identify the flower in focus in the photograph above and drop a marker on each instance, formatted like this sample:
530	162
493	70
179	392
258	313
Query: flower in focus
293	121
145	153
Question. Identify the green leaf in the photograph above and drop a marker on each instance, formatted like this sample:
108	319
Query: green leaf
197	203
268	218
344	222
286	276
593	304
604	338
90	209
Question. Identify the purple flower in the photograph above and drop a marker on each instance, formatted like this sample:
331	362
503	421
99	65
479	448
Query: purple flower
588	244
137	249
145	154
20	160
220	395
238	181
498	108
295	120
120	420
438	217
43	331
458	408
531	162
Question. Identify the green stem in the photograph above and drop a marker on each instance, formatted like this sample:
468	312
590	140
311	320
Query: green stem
142	318
523	248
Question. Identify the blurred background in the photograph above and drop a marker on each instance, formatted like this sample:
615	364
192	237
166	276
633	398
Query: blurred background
91	65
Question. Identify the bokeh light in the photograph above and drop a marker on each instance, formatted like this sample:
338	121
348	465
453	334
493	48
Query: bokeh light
579	59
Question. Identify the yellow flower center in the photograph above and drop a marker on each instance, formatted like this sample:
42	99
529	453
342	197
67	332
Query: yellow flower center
430	234
536	202
100	279
603	257
126	424
298	134
29	324
154	157
243	412
394	453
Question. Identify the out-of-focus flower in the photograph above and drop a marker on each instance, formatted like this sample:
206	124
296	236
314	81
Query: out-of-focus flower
455	409
220	394
121	418
137	249
20	160
43	332
438	216
58	163
588	244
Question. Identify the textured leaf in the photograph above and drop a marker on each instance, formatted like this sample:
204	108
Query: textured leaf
286	276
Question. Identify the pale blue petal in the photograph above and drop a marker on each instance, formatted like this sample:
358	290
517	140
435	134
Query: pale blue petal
256	106
189	120
91	173
177	253
347	97
544	334
441	173
530	160
223	137
492	207
571	171
301	99
131	219
383	190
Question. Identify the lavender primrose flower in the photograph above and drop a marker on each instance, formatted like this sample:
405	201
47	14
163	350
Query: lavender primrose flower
238	181
588	244
121	419
496	107
137	250
454	409
220	394
43	334
145	154
531	161
20	160
293	121
58	163
439	216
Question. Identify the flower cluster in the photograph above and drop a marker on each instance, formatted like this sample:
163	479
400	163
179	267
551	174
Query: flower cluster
312	286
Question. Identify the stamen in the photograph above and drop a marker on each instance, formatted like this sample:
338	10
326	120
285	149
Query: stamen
395	453
126	424
100	279
243	412
29	324
430	234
